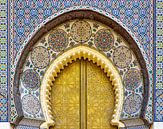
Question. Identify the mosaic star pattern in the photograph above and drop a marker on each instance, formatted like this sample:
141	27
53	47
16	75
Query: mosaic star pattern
132	79
3	106
3	61
58	40
132	103
122	57
81	31
159	103
104	40
30	104
135	14
31	79
40	57
158	68
26	18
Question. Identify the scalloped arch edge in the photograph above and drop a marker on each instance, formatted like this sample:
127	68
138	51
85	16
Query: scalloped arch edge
68	57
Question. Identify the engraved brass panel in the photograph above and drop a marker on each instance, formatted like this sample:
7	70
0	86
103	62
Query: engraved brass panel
82	97
65	98
100	98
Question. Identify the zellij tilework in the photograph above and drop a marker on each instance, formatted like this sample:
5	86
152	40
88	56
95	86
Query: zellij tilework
20	18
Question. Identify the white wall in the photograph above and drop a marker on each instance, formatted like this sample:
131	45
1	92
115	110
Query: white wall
158	125
5	125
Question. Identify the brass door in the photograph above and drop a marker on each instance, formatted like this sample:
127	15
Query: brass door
82	97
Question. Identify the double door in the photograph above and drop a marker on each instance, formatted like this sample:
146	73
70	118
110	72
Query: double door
82	97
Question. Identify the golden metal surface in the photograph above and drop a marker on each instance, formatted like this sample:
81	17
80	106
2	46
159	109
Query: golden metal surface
83	95
82	98
61	62
65	98
100	98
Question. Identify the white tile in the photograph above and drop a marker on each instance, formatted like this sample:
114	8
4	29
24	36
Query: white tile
158	125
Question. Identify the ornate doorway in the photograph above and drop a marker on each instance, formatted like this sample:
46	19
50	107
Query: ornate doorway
82	97
56	67
74	35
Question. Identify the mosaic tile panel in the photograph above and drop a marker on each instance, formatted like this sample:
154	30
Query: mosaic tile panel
3	61
159	44
137	127
158	61
135	14
133	96
46	13
158	105
149	107
58	40
26	127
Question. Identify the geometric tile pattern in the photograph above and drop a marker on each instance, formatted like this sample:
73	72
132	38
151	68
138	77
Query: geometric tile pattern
159	44
26	127
27	15
139	23
138	127
158	105
158	61
98	33
3	60
136	15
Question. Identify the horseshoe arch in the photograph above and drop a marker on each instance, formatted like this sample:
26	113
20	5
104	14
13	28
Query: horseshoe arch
68	57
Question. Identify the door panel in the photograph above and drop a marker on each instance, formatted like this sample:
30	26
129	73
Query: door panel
82	97
100	98
65	98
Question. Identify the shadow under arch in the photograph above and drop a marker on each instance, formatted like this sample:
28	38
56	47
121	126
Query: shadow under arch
67	57
70	15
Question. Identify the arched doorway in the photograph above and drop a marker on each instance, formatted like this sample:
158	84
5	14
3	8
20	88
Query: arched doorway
39	65
82	97
82	70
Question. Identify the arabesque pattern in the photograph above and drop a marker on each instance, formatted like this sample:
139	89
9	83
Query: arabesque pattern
136	15
25	16
124	58
40	57
100	100
66	98
81	31
58	40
